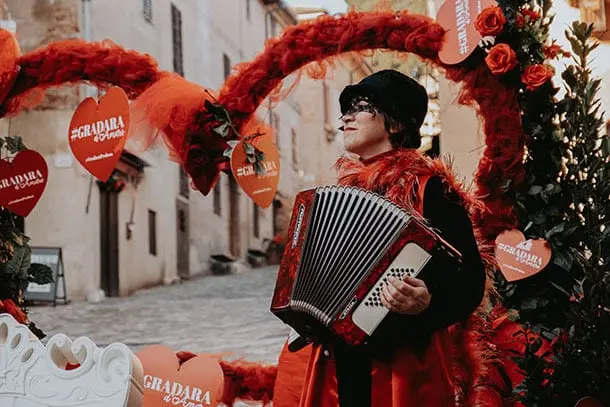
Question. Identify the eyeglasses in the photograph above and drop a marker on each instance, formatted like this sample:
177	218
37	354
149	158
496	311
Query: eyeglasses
360	104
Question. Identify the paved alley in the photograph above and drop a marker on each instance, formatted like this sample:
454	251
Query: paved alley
212	314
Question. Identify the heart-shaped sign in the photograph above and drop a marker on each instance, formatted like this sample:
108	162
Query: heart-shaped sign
23	181
98	132
260	187
520	258
199	382
457	17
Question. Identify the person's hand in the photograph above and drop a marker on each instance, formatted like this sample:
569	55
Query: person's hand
408	296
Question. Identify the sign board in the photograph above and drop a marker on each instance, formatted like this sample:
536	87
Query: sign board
458	18
51	257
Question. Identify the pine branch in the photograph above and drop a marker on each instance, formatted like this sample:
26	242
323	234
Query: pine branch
582	363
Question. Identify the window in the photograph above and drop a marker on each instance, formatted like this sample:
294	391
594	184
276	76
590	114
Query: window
152	232
177	40
275	122
273	26
217	199
256	220
325	104
328	121
295	147
184	183
147	10
226	65
248	11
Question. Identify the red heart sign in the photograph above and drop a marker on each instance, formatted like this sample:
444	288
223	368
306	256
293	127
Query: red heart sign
199	382
98	132
23	182
261	188
520	258
462	38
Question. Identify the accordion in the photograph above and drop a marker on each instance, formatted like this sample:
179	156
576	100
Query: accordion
343	244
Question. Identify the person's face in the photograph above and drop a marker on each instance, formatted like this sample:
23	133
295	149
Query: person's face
364	129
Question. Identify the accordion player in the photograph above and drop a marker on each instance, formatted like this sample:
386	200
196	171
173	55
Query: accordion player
343	244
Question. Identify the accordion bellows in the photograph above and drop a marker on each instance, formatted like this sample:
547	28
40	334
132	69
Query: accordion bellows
344	243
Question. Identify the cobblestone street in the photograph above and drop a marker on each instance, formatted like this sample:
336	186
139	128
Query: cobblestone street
211	314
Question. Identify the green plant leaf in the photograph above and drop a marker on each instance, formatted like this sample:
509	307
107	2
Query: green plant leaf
222	130
258	167
561	289
20	263
14	144
219	112
249	148
555	230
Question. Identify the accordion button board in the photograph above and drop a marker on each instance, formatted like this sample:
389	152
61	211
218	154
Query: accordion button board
370	312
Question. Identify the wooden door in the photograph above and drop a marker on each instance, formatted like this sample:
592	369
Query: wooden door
234	233
183	233
109	242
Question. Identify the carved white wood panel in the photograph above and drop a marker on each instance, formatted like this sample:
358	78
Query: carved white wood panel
33	375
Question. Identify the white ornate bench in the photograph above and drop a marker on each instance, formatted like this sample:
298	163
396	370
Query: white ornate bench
34	375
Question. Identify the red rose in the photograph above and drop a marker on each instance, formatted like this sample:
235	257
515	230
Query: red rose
520	21
533	15
501	59
535	76
12	309
553	51
491	21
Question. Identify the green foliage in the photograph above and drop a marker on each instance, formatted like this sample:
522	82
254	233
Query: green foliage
542	299
566	201
227	129
13	144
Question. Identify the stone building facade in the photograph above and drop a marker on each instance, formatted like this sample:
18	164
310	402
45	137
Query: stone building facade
157	230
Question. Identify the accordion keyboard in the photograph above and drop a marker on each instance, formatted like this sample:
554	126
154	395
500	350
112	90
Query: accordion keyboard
409	262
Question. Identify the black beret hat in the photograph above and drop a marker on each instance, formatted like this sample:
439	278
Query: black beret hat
396	94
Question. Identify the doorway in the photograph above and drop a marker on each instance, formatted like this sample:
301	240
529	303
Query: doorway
234	235
183	233
109	239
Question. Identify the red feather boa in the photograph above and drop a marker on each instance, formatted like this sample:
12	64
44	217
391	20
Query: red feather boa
200	149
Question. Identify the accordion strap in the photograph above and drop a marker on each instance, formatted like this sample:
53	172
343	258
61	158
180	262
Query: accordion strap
422	181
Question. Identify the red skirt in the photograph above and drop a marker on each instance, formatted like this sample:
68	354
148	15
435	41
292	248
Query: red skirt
307	378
